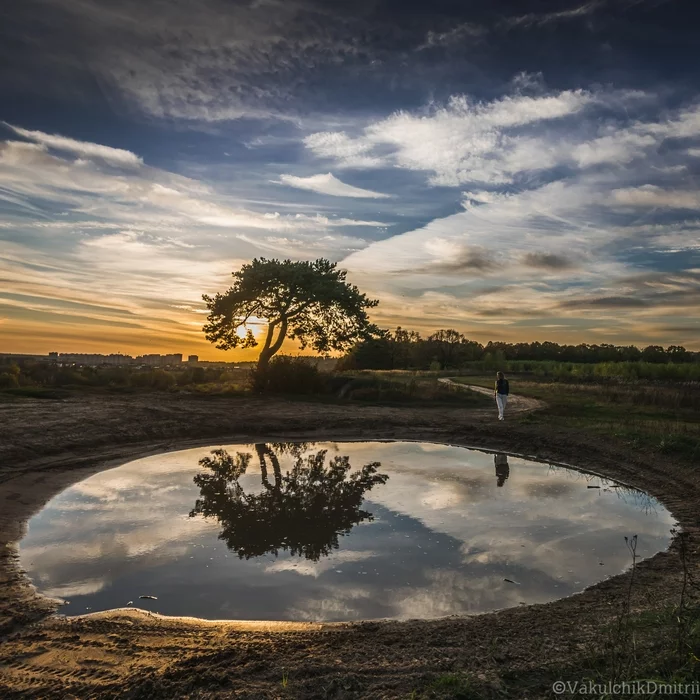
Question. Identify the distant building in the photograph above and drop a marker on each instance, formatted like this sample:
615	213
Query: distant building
193	358
91	359
155	360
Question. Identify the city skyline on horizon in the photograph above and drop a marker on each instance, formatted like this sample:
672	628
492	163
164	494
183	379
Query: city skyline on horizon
517	172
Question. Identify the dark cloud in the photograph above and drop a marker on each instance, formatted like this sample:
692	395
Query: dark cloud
609	302
547	261
680	329
651	290
207	60
469	260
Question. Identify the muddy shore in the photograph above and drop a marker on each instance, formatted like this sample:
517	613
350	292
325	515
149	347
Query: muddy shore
46	446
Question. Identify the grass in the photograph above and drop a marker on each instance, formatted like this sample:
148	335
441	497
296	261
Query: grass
661	644
388	388
590	371
661	418
456	686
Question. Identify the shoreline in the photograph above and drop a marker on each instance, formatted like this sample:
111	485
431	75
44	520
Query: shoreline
66	456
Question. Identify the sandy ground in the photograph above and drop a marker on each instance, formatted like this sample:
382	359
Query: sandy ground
47	445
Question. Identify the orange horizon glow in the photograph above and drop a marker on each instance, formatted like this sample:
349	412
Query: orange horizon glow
23	338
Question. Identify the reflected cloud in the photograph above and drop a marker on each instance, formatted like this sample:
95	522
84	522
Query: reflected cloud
316	568
76	589
448	526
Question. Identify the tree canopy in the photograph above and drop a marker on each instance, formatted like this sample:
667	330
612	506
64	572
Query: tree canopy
309	302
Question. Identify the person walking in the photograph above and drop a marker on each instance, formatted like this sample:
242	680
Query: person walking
500	392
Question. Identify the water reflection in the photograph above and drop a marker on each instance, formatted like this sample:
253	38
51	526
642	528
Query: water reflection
445	537
500	460
303	511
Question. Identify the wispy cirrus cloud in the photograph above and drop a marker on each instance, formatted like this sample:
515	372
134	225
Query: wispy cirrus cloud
82	149
545	244
502	169
328	184
83	218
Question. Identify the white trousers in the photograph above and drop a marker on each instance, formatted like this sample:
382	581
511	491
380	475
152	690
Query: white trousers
501	401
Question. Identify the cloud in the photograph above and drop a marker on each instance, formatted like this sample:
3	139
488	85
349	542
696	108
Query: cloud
542	19
329	184
547	261
74	223
618	147
204	62
346	151
452	258
456	143
464	32
144	197
83	149
560	246
613	302
497	142
654	196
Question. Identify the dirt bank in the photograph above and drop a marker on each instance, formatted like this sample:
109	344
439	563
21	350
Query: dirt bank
48	445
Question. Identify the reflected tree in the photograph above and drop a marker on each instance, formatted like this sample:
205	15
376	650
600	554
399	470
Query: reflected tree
304	510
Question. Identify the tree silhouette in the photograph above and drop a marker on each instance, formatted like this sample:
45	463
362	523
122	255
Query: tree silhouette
304	510
307	301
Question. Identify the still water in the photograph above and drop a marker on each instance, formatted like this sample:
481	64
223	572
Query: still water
334	531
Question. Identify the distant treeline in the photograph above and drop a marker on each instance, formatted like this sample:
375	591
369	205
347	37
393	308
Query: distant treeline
449	349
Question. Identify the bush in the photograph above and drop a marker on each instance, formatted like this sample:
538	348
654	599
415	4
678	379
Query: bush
289	375
154	379
8	381
192	375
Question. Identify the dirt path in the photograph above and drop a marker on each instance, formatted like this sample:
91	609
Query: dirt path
47	445
516	402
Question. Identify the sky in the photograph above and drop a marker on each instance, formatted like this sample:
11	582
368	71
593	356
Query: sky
518	170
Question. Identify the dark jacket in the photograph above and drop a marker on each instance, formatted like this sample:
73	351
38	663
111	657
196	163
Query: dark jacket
502	386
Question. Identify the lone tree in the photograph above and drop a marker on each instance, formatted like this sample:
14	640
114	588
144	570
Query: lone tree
307	301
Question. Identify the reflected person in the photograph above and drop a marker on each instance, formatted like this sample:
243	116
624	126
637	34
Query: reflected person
500	460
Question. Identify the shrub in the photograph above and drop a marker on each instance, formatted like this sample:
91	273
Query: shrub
8	381
288	375
162	380
192	375
154	379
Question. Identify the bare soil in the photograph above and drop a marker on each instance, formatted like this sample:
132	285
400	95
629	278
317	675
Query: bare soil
46	446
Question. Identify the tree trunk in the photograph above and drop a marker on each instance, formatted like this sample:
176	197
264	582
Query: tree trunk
268	351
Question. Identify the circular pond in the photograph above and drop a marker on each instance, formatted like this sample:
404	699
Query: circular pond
335	531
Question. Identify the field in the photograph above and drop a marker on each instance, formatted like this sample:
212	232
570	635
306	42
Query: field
660	417
643	624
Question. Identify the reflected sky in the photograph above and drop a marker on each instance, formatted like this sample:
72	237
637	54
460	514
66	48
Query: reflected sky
450	531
